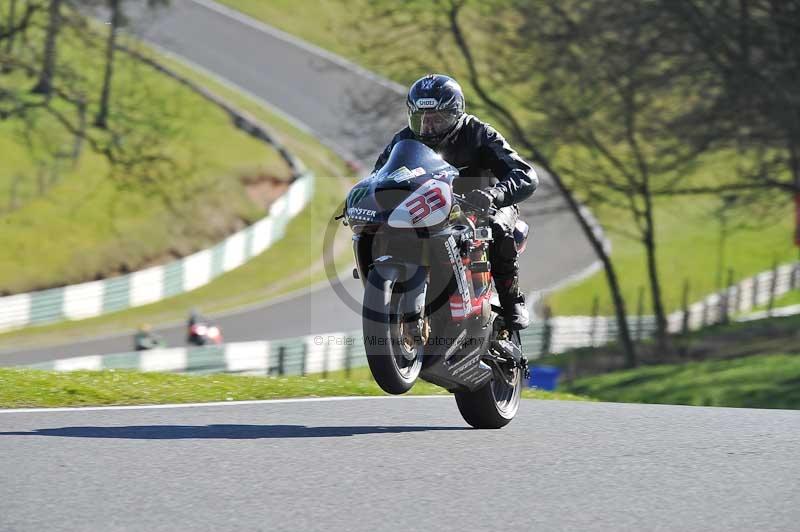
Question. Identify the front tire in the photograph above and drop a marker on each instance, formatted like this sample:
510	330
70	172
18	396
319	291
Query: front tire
394	363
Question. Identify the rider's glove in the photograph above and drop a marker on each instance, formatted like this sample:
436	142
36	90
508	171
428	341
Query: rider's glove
482	199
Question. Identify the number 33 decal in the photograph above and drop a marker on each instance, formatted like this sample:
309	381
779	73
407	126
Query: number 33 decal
421	206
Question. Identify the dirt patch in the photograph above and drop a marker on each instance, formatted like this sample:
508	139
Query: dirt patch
263	189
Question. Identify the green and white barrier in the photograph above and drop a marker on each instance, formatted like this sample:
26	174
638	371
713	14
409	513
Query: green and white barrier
87	300
296	356
335	351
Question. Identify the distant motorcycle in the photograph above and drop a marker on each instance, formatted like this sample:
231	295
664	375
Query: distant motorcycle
429	307
203	333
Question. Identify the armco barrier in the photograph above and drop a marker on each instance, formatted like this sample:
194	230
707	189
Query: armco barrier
297	356
744	296
335	351
87	300
95	298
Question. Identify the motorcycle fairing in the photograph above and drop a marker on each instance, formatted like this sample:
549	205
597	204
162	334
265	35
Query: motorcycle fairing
427	206
453	359
460	306
410	166
413	277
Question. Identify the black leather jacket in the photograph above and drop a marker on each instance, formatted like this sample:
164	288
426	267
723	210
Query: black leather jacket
483	158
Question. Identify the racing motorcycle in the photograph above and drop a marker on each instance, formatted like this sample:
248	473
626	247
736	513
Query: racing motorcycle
203	333
429	308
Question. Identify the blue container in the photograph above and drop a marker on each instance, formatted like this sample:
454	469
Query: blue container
544	377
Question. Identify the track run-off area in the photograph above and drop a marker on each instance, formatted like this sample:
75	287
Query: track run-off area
377	464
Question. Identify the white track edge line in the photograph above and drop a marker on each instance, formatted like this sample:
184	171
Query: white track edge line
213	404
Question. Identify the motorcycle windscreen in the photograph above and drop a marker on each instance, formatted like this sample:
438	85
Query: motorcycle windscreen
427	206
410	159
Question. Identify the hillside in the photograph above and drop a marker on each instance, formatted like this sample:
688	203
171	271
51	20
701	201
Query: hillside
67	217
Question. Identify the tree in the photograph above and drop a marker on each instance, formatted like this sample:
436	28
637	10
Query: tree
615	96
45	83
52	118
101	120
522	136
17	23
117	21
750	49
12	15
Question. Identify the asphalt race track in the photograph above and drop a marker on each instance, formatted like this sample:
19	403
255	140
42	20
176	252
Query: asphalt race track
400	464
320	94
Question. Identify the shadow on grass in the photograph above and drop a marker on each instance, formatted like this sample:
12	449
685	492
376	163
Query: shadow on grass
229	432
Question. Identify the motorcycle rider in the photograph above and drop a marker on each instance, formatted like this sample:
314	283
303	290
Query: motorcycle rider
145	338
492	174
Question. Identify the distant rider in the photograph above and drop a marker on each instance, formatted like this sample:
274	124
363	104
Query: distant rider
145	338
492	174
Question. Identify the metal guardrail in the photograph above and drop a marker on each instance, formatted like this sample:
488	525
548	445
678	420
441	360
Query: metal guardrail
296	356
323	353
87	300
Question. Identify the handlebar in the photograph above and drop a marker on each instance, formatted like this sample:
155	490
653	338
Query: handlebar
491	211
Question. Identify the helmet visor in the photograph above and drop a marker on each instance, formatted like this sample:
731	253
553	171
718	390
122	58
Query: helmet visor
430	123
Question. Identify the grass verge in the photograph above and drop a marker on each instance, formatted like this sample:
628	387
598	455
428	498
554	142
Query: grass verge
20	388
760	381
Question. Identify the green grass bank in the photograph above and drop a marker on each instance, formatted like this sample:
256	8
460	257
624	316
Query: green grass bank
758	381
752	364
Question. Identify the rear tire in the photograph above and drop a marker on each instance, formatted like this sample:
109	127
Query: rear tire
494	405
394	367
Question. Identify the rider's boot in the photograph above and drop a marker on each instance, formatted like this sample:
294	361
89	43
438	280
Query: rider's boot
512	300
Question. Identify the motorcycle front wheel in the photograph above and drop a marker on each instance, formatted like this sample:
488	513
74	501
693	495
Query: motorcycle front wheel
395	360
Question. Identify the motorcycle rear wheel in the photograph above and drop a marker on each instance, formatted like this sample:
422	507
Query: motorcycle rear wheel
394	363
494	405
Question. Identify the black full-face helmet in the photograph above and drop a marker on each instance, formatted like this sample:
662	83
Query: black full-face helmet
435	107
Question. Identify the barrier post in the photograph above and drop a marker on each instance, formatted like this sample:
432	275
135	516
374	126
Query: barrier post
640	314
348	348
773	286
547	331
704	318
685	323
724	302
755	291
325	352
282	360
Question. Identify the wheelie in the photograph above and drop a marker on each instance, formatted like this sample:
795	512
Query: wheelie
436	240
